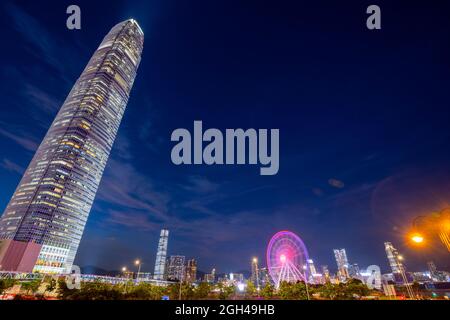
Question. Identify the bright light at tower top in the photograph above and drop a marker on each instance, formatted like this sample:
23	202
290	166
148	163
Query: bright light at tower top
255	260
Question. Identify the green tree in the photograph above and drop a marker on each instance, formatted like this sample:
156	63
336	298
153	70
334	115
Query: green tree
6	284
51	286
250	290
225	291
268	291
202	291
31	286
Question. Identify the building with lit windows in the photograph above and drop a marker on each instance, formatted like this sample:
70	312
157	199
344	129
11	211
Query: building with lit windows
175	268
191	271
161	256
342	263
255	272
44	221
210	277
393	258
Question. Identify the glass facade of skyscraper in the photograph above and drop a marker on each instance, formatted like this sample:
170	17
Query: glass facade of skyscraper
161	255
52	202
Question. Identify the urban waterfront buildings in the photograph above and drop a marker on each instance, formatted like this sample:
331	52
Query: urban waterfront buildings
161	254
43	223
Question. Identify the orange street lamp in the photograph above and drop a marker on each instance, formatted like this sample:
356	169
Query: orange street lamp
417	238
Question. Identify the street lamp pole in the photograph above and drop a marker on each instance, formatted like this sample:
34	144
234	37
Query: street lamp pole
306	281
138	263
181	282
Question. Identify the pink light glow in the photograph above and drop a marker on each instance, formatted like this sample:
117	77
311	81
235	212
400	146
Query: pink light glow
283	258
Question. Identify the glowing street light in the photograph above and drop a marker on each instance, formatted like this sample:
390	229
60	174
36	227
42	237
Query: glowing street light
417	238
138	263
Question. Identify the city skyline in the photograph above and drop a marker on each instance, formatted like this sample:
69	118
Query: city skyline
358	159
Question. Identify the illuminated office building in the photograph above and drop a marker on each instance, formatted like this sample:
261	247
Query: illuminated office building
191	271
342	263
161	254
175	268
393	258
255	272
44	221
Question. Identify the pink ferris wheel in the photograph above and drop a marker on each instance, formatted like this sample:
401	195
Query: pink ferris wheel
286	258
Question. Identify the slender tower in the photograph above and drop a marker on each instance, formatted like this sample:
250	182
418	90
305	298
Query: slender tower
392	255
161	254
42	225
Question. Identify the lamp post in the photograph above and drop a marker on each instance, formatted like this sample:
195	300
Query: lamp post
138	263
124	270
181	281
306	281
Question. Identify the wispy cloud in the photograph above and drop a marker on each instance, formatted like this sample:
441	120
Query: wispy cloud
11	166
42	99
41	42
200	184
22	139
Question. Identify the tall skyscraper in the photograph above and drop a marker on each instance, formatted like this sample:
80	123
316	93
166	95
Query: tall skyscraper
191	271
161	254
255	272
393	258
175	268
342	262
44	221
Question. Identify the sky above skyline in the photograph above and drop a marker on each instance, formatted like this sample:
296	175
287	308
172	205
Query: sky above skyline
363	120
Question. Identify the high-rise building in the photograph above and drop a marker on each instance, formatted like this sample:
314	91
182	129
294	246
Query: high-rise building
191	271
175	268
255	272
432	268
393	258
44	221
311	267
210	277
342	263
264	277
354	271
325	273
161	254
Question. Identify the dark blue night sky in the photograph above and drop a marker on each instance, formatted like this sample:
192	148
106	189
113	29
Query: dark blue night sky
363	118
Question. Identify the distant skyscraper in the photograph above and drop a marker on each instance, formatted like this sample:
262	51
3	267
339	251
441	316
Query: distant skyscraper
175	268
311	267
326	273
264	277
311	270
161	254
210	277
432	268
44	221
255	272
342	262
191	271
354	270
393	258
